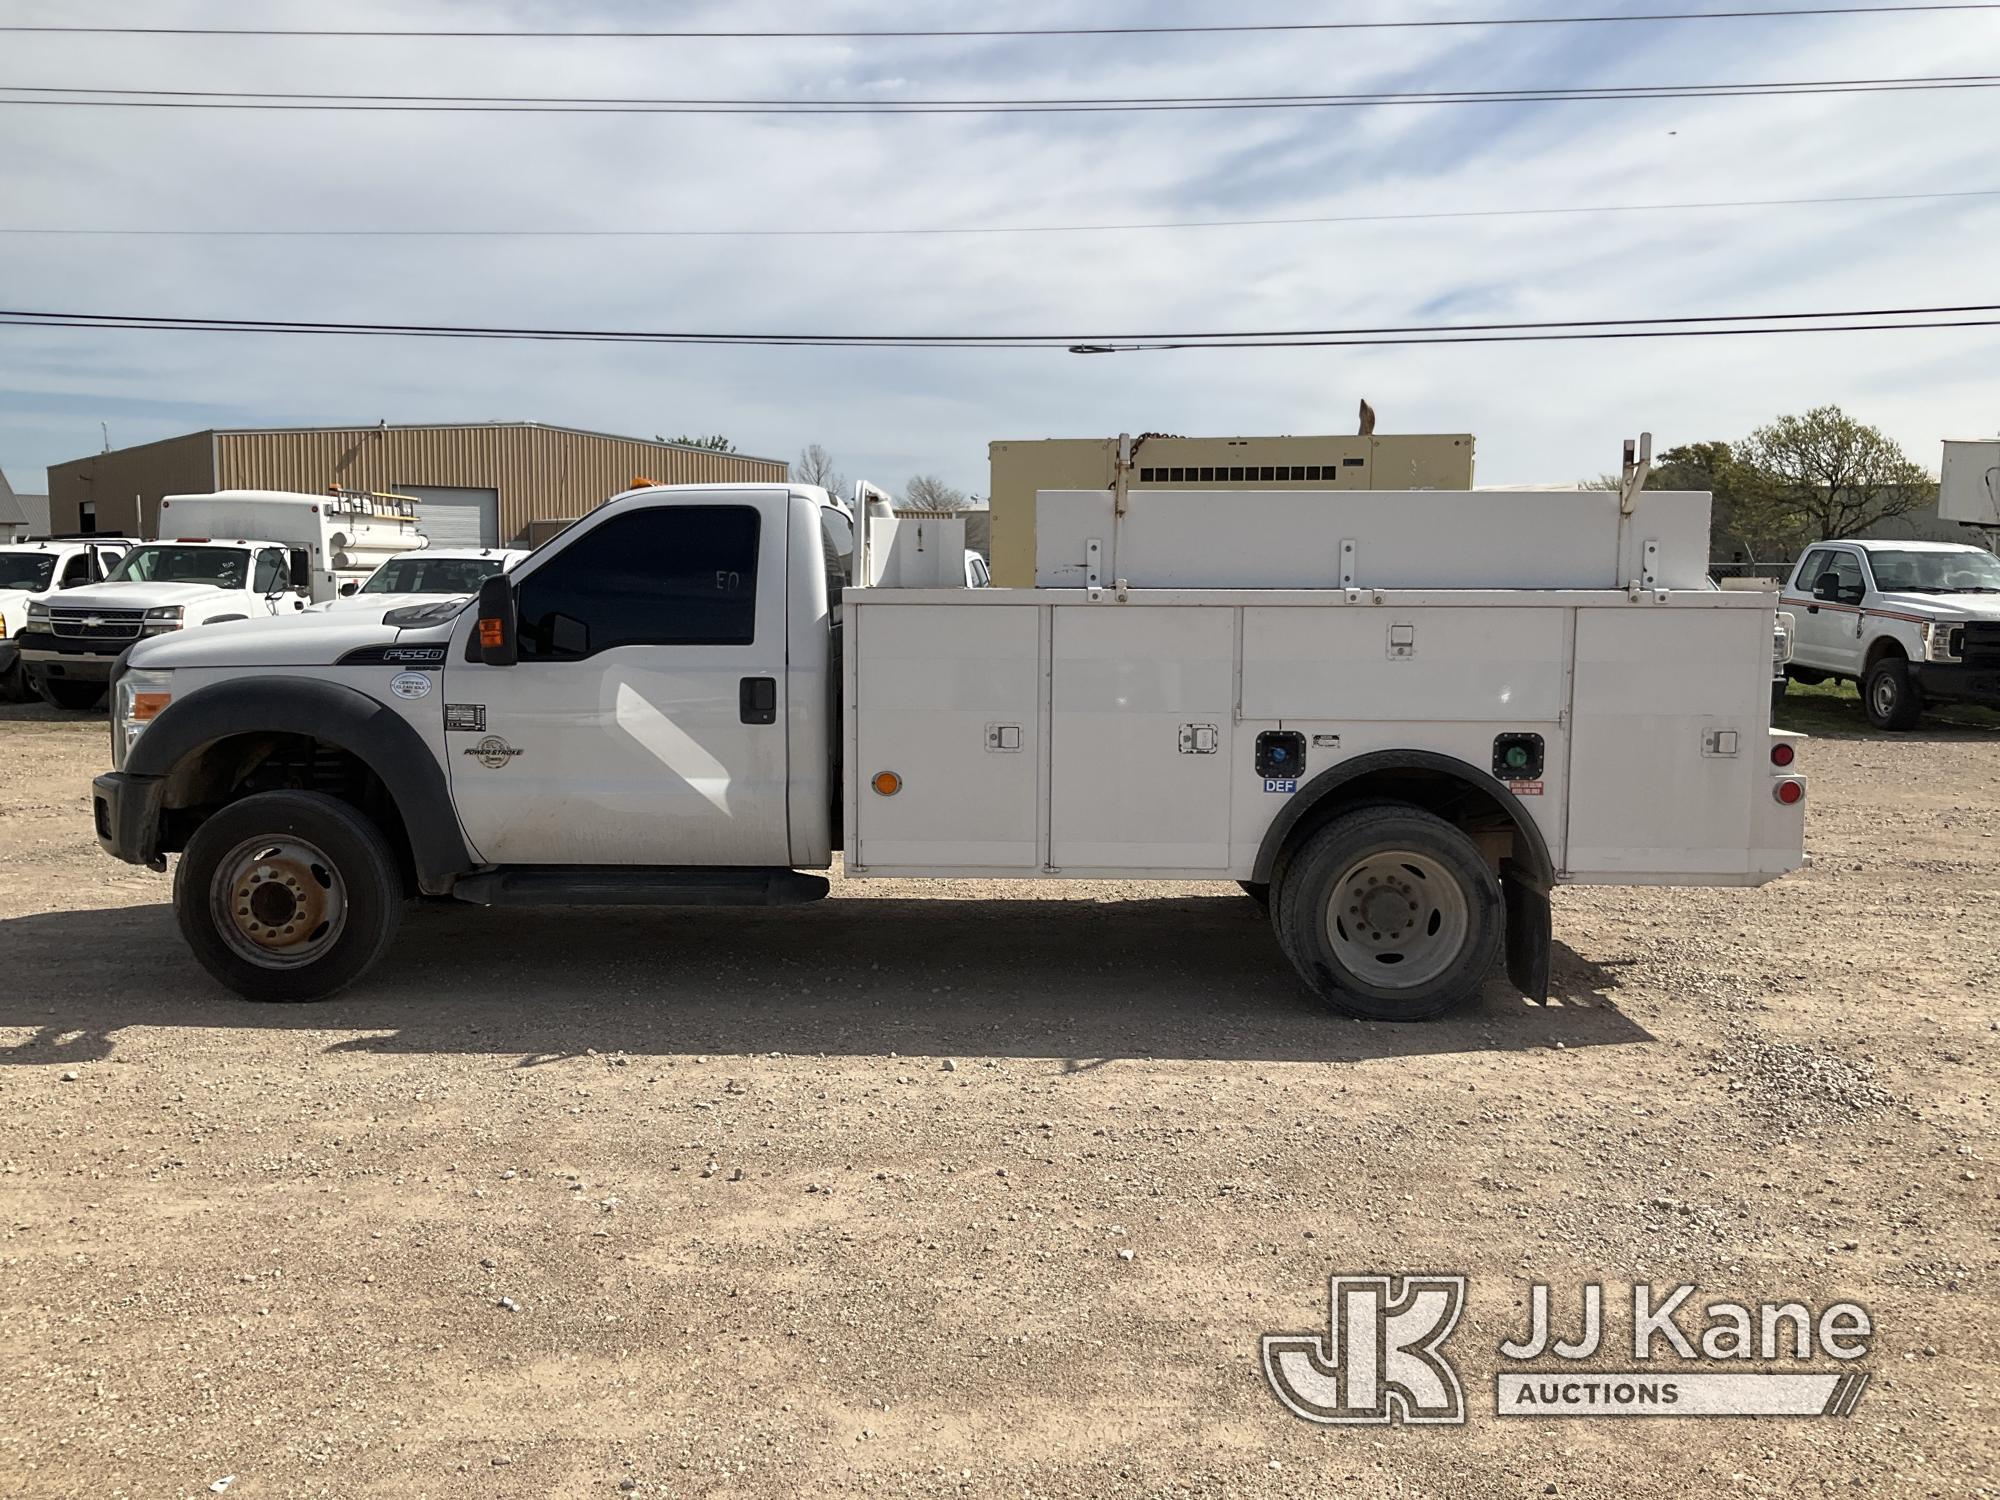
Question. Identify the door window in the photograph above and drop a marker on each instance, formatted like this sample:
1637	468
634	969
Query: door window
270	577
1846	567
1809	571
668	576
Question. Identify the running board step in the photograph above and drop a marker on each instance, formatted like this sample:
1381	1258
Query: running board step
584	885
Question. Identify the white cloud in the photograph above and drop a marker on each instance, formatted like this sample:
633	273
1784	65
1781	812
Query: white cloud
1541	411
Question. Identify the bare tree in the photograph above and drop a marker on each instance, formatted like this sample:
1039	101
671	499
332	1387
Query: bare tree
928	492
815	466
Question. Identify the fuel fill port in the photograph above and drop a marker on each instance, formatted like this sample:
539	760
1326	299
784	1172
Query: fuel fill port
1281	754
1517	757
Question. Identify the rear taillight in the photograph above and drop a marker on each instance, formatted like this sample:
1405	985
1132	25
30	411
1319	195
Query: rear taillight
1789	792
1783	754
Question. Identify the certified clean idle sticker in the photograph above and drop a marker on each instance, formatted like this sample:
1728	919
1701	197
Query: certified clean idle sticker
410	685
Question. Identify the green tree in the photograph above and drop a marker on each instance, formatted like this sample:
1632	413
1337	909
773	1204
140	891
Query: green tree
1742	520
1824	475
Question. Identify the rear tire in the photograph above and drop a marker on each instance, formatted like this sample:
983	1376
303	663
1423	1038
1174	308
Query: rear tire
1892	700
76	696
1389	913
288	896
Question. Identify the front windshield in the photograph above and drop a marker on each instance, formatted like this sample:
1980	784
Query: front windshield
1967	572
222	567
432	575
32	571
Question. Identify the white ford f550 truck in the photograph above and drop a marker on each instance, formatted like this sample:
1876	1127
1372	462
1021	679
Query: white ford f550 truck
1400	718
233	555
1909	623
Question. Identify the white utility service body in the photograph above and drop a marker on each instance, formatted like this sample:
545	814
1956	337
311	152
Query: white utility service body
1434	707
1091	729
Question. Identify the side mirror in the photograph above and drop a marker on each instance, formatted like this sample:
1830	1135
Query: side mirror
349	589
497	619
1827	586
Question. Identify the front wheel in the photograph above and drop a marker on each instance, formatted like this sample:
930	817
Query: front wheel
1891	698
288	895
1390	913
65	693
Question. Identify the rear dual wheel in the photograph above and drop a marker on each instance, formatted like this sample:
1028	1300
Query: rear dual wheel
1389	913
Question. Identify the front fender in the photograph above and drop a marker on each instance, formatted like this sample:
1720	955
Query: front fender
338	715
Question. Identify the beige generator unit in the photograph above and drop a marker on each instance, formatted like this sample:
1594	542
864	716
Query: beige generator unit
1316	465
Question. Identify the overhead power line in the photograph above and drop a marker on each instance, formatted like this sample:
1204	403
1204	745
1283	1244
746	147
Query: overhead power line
976	33
107	98
337	232
1895	319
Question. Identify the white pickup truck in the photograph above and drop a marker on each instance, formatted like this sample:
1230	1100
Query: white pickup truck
30	572
1910	623
1401	719
234	555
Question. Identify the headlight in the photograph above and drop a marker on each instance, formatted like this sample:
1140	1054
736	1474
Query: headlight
38	613
138	701
1942	641
160	621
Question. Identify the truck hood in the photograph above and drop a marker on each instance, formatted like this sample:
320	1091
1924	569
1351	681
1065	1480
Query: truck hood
1942	606
381	604
142	596
309	639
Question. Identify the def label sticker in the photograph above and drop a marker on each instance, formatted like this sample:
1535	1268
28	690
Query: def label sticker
1285	785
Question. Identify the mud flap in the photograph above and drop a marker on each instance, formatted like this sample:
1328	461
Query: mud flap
1530	931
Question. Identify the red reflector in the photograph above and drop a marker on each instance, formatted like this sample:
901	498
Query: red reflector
1783	754
1789	792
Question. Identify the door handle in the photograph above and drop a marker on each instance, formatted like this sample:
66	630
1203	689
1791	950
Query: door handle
757	700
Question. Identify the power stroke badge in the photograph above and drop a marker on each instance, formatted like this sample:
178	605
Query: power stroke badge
1382	1357
492	752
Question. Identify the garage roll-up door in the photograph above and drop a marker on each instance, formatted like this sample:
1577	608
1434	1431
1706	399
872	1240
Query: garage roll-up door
453	517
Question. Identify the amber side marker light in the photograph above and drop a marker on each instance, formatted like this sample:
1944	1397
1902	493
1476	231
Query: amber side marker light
146	706
887	783
492	632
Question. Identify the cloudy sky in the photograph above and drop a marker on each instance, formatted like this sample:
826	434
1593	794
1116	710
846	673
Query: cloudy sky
1541	412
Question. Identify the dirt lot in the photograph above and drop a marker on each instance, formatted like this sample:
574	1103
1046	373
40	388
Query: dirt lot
839	1200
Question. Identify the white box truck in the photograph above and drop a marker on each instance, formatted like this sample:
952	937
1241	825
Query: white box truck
233	555
1399	718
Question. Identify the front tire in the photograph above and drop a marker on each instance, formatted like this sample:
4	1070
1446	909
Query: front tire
76	696
288	896
14	687
1389	913
1890	697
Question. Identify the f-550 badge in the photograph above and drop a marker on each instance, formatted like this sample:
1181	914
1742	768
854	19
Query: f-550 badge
493	752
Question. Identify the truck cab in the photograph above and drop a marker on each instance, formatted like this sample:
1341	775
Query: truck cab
1909	623
33	571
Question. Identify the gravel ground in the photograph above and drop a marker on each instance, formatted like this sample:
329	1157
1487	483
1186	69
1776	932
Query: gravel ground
974	1189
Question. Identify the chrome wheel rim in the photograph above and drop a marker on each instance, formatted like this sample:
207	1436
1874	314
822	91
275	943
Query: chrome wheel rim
278	901
1398	919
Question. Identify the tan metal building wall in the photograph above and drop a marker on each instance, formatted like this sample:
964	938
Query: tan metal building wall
126	484
540	473
1392	462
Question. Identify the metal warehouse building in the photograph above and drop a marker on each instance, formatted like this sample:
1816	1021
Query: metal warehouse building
476	484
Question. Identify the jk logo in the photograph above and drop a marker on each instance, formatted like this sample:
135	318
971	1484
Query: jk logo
1380	1358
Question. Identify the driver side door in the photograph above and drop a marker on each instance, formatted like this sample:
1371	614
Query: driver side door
644	723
